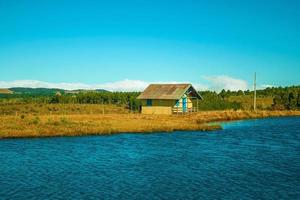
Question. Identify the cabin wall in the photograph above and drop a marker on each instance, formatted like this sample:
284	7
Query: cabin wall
161	110
157	102
165	106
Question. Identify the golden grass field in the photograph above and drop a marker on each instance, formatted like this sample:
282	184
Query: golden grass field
91	123
59	109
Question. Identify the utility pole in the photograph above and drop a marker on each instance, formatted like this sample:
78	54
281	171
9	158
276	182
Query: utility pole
254	100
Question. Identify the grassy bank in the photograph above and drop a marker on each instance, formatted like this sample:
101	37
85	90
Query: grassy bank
14	126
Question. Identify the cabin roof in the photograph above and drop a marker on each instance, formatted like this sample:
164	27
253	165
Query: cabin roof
168	91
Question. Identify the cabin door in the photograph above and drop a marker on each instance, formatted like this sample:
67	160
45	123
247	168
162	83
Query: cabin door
184	104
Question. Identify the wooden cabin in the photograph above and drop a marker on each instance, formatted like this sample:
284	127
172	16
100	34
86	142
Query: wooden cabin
169	98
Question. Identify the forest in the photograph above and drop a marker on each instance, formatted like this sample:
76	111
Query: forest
276	98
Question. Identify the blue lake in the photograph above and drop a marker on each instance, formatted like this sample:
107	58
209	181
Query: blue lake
255	159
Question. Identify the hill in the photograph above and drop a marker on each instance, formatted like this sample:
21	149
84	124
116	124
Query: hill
83	91
35	91
6	91
47	91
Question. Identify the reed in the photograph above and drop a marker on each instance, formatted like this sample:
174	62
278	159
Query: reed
28	125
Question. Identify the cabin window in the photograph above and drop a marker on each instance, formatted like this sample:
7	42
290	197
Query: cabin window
149	102
177	103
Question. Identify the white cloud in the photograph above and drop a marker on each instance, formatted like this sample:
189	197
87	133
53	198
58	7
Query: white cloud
218	83
214	83
264	86
124	85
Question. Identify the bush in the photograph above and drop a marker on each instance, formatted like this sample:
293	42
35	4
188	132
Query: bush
213	101
36	120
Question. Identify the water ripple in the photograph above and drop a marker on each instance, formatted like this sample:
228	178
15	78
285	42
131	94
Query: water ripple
256	159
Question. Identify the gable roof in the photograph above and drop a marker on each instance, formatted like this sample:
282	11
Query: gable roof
168	91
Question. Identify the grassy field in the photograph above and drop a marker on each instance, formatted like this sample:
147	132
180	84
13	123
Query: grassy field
247	101
14	126
59	109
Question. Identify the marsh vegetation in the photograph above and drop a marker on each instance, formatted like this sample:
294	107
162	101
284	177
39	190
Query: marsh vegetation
99	124
51	112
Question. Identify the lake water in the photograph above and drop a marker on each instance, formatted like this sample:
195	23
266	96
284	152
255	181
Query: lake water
255	159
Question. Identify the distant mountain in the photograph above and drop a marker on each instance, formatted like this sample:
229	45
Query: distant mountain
6	91
45	91
36	91
84	91
101	90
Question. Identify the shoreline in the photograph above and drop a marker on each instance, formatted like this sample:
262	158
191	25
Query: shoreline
34	126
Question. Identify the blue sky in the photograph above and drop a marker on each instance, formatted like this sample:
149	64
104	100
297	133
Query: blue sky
110	44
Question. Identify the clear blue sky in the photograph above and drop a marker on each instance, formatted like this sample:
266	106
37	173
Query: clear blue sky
105	41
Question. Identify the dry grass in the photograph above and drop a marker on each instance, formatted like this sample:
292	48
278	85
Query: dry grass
98	124
58	109
230	115
70	125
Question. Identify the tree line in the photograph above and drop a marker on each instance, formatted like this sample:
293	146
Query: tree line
127	99
289	100
283	98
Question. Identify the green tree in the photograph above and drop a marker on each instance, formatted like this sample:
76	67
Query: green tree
223	94
240	93
298	100
292	101
277	103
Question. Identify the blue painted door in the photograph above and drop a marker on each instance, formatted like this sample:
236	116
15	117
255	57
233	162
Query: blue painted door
184	104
